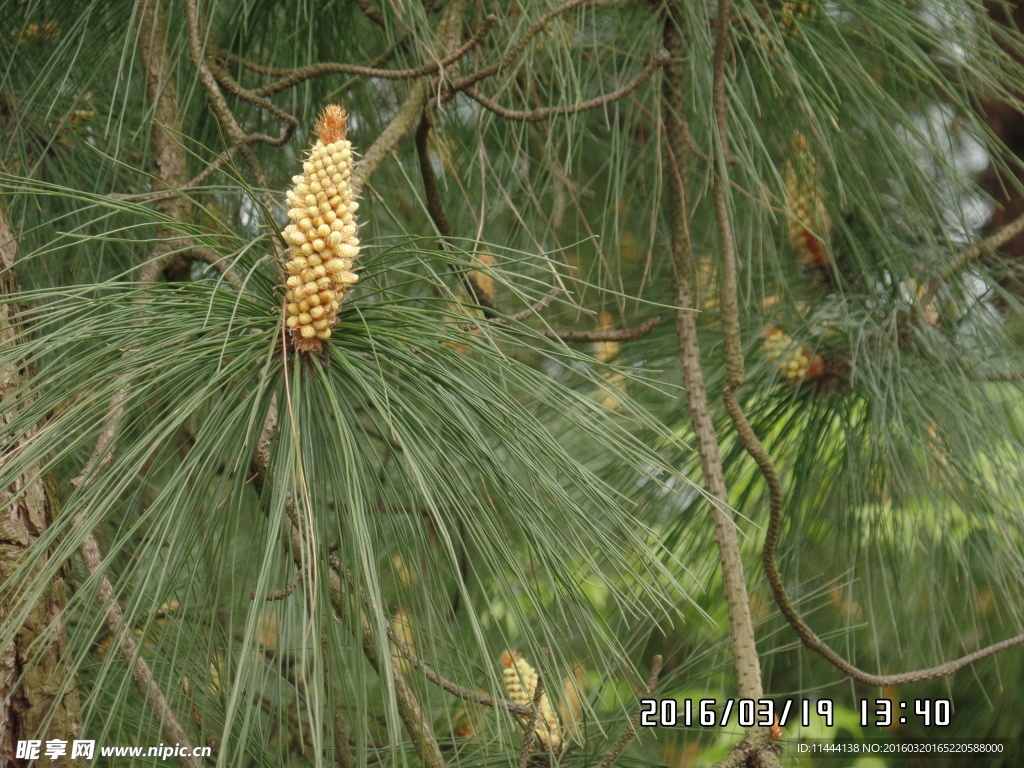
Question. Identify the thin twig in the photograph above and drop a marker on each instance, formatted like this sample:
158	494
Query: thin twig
234	87
388	139
972	253
516	50
543	113
279	594
634	723
616	334
531	726
371	13
483	699
537	307
524	314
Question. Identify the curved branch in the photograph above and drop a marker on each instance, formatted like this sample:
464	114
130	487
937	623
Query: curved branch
753	445
543	113
292	77
972	253
516	50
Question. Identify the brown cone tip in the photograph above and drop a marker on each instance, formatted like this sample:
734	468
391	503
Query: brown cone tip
331	125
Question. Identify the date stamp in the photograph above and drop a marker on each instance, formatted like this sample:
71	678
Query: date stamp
765	713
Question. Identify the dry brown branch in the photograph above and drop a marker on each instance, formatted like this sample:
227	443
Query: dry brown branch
618	334
537	307
525	314
634	723
197	718
234	87
543	113
294	76
750	748
744	648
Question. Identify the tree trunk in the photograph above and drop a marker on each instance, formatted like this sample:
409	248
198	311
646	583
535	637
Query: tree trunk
34	666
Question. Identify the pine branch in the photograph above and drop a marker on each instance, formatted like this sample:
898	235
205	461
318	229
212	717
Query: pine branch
409	110
543	113
371	13
752	444
970	254
416	724
435	207
748	668
615	334
291	77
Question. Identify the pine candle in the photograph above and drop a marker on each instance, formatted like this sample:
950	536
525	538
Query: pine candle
322	242
520	680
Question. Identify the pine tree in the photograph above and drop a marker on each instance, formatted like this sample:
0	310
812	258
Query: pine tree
433	381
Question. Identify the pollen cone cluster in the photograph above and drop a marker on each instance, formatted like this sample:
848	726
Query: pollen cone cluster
521	683
792	12
809	226
795	363
322	242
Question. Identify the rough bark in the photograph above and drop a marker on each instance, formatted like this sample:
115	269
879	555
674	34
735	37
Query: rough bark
36	699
